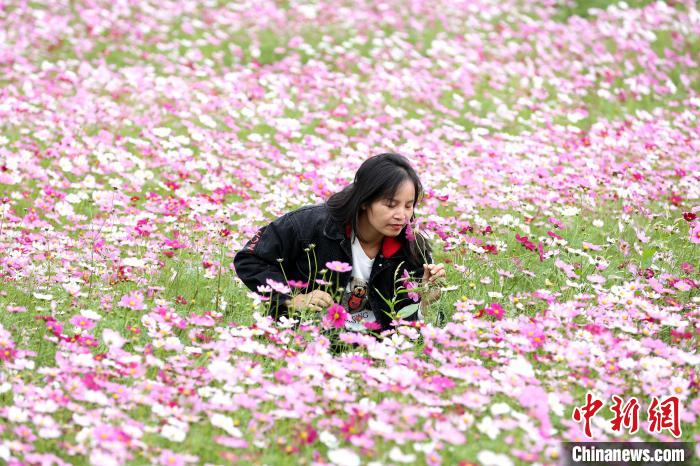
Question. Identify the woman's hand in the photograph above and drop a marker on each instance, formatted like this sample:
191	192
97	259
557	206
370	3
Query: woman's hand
317	300
433	272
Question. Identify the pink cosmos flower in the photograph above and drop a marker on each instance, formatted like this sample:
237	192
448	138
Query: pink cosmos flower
695	233
682	285
105	433
82	322
534	334
410	236
308	435
372	326
170	458
54	327
174	244
433	459
338	266
687	267
566	268
409	285
298	284
529	245
133	301
25	433
88	341
7	350
336	316
557	223
496	310
278	287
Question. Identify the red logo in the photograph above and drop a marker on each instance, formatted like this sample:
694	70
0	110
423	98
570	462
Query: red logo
660	414
626	416
664	415
591	407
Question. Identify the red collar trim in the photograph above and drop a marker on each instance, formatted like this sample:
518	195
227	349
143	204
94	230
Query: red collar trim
390	245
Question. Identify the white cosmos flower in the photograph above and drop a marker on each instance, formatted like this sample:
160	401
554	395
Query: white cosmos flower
488	427
489	458
500	408
424	447
162	132
674	320
679	387
225	423
344	457
174	433
570	211
17	415
87	313
112	338
103	458
380	427
520	366
328	439
397	455
133	262
206	120
555	405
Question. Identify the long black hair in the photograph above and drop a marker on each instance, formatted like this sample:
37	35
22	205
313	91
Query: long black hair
379	177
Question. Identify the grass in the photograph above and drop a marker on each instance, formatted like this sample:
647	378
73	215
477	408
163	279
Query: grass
183	274
583	8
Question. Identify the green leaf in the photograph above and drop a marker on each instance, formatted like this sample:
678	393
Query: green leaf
389	303
408	310
647	256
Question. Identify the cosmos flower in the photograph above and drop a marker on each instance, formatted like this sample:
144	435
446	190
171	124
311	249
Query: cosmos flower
133	301
336	316
338	266
81	322
694	233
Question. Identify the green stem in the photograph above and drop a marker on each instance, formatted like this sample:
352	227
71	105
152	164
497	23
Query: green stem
218	277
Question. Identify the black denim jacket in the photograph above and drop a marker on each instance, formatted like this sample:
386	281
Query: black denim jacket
287	237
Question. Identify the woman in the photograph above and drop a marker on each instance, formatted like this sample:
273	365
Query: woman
364	225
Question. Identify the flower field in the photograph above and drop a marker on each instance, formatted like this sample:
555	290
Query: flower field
143	143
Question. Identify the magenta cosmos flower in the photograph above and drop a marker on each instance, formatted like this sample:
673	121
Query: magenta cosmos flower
336	316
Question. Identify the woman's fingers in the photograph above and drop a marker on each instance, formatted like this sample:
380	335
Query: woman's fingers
435	271
322	298
317	300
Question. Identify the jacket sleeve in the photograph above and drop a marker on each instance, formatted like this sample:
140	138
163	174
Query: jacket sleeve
258	260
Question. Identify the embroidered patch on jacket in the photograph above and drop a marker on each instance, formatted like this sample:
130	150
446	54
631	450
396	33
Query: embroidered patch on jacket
254	240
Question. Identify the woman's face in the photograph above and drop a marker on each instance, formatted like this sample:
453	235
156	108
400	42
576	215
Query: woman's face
389	216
